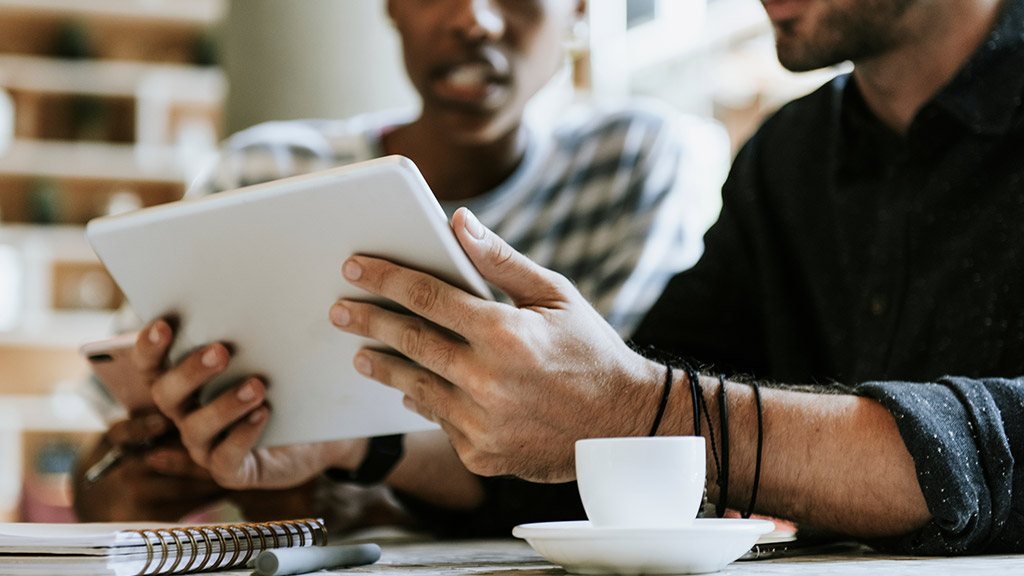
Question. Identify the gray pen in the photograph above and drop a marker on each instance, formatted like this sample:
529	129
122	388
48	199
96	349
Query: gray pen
104	464
282	561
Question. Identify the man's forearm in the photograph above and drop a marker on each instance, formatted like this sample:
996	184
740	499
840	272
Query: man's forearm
833	461
836	462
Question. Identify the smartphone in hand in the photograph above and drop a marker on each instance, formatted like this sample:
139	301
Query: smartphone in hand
111	363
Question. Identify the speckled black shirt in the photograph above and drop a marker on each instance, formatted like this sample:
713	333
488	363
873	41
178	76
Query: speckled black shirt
846	253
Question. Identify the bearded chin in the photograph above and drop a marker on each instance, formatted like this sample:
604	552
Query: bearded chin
855	35
796	61
803	55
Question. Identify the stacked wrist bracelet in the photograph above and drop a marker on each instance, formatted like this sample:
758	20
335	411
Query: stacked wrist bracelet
760	444
719	450
723	427
666	390
694	379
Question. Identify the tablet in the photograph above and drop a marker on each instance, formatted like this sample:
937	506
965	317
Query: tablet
258	268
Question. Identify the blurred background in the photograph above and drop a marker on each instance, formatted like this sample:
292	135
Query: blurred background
111	105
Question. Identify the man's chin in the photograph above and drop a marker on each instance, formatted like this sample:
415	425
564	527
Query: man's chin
798	57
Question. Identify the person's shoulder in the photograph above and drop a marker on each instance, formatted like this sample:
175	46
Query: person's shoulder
312	132
808	112
799	134
274	131
368	124
282	148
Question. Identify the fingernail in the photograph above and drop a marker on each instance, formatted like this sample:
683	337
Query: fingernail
154	335
340	315
363	365
246	392
210	358
158	461
257	416
473	226
155	424
352	270
409	404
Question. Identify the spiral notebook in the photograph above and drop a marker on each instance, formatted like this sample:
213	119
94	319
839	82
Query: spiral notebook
142	549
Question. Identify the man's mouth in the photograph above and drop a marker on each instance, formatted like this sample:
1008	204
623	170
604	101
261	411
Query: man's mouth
783	10
478	81
468	76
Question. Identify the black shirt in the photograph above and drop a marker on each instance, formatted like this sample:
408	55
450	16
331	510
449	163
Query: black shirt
847	253
894	264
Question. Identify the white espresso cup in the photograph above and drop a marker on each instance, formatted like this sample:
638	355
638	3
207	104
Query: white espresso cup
641	482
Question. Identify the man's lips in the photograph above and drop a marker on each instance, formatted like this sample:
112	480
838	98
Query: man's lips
474	80
782	10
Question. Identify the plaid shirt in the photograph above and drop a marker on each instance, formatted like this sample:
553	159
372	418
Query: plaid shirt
615	199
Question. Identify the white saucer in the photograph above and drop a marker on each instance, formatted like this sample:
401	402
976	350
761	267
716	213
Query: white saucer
708	545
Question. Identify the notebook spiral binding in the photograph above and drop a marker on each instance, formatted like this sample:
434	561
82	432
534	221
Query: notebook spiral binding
200	543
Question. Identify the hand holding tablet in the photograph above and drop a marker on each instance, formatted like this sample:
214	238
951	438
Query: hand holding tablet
258	268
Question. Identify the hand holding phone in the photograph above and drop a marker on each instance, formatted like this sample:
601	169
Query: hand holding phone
111	363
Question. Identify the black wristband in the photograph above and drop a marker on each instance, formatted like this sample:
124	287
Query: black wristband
665	392
382	454
760	445
723	428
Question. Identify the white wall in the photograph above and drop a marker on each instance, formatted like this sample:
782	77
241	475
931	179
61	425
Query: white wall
310	58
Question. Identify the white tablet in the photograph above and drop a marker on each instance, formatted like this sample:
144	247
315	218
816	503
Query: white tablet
258	268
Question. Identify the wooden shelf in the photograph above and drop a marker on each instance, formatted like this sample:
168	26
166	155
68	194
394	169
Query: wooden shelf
94	160
191	11
35	200
57	182
38	369
58	282
177	82
110	101
107	105
57	242
59	332
88	33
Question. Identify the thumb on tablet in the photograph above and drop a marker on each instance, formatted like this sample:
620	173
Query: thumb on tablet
522	279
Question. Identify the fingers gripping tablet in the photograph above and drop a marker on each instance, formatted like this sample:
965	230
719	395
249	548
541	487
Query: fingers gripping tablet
258	269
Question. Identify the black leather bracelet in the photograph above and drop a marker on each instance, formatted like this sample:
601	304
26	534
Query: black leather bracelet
382	454
665	392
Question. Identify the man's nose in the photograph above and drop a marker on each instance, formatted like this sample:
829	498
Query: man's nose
478	20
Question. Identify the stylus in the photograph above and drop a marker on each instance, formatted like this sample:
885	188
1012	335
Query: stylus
282	561
104	465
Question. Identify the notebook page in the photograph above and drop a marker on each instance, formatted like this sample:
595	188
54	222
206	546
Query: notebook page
82	538
128	565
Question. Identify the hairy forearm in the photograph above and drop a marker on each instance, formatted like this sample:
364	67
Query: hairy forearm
848	469
833	461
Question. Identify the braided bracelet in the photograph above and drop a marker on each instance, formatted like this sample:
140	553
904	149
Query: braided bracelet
694	379
723	425
664	400
760	443
695	389
711	431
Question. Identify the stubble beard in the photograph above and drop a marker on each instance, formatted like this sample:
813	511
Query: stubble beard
861	31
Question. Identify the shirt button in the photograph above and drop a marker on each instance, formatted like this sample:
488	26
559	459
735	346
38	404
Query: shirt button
879	305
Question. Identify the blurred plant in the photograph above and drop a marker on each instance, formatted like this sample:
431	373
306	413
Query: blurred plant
45	201
74	40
